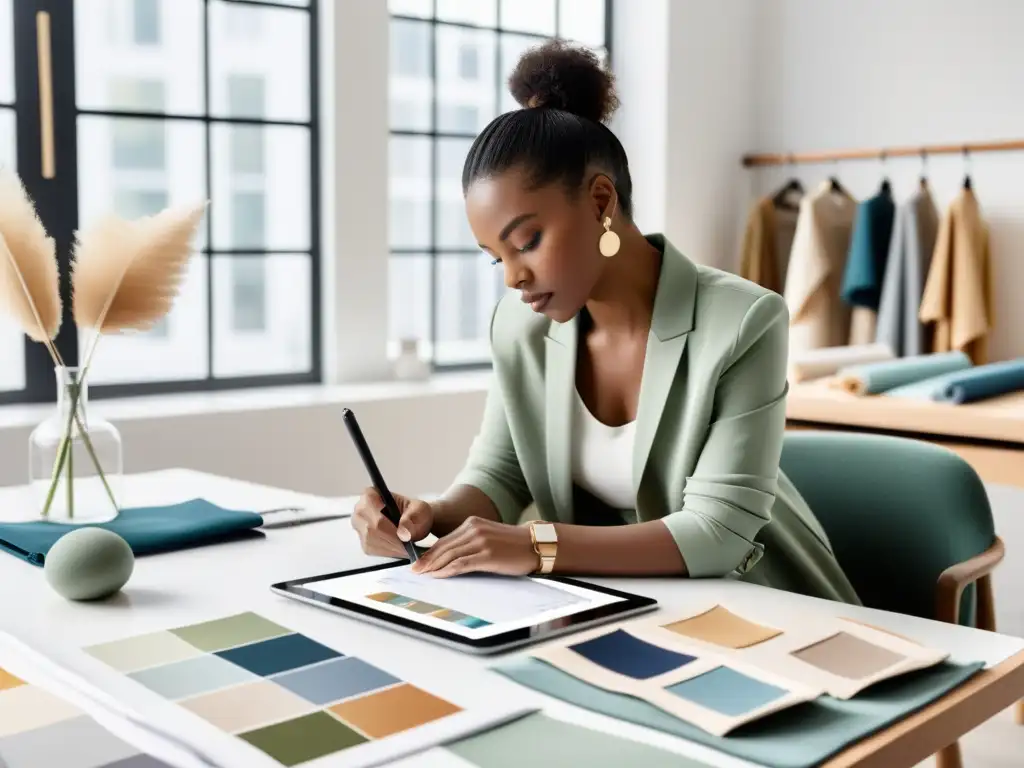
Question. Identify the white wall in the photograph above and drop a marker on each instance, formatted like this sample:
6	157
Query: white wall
869	74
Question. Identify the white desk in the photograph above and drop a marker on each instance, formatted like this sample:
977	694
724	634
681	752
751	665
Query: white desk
171	589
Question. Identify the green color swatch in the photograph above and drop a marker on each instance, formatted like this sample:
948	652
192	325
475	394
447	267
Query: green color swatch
305	738
229	632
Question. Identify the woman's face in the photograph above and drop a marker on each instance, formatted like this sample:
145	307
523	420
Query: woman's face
544	239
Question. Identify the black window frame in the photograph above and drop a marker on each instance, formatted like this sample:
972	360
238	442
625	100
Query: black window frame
433	250
56	199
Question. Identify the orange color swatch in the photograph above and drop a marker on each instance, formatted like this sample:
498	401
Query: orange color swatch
393	710
720	626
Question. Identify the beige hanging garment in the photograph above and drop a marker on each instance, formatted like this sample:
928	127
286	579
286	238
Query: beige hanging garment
818	317
957	297
766	244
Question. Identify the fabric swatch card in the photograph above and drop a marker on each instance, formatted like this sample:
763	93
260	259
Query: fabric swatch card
709	690
839	656
285	694
39	728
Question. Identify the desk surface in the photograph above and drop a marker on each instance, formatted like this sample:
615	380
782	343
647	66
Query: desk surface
174	588
999	419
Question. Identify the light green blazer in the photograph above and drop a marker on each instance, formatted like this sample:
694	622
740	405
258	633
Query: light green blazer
709	431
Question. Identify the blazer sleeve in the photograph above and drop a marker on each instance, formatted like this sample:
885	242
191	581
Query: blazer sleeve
493	465
729	497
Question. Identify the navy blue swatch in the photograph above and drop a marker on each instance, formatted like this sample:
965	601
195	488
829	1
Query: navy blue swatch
621	652
279	654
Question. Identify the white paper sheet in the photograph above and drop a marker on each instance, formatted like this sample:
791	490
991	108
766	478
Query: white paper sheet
112	692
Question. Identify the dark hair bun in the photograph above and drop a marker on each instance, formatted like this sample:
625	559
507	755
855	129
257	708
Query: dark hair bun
557	75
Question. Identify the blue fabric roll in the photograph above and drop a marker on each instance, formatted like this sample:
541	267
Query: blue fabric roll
968	386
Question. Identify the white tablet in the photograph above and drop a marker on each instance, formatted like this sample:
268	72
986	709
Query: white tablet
476	612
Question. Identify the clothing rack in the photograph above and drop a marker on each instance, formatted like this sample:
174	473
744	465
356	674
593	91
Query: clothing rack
882	153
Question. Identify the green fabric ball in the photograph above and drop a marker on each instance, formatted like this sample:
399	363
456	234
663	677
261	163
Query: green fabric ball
89	564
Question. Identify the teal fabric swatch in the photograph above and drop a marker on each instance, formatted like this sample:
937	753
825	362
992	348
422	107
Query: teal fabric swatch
967	386
889	374
540	741
801	736
727	691
146	529
869	251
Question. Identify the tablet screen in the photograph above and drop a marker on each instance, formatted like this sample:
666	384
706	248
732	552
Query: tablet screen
473	605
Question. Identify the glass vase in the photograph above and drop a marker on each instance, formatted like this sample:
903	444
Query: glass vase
75	458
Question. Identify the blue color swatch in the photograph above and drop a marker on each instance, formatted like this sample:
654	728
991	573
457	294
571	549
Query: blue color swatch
335	680
184	679
279	654
727	691
621	652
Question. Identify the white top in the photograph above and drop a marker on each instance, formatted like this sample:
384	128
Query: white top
602	457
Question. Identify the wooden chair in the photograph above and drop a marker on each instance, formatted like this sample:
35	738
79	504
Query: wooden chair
910	523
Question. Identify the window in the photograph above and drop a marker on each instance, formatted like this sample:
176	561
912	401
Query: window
146	22
450	62
176	102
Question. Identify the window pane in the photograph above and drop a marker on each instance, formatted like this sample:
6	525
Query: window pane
529	16
6	52
139	56
277	60
261	188
483	13
8	139
409	301
410	188
132	167
465	77
512	48
173	351
409	84
582	21
261	314
420	8
452	225
468	287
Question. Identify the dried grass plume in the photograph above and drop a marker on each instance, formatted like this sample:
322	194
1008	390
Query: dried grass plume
29	278
127	273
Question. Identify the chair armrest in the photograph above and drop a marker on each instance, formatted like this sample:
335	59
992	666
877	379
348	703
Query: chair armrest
956	578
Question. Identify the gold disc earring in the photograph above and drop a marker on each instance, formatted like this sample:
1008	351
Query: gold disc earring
609	242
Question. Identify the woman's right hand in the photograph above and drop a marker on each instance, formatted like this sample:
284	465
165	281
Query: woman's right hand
377	534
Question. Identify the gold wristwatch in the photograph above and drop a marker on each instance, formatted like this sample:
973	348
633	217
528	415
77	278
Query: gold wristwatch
545	544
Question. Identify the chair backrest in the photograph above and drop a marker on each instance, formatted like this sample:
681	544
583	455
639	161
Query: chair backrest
898	512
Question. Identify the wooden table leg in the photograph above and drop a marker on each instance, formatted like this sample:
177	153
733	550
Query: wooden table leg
1020	712
950	757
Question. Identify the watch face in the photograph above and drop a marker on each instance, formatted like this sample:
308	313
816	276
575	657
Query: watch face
545	534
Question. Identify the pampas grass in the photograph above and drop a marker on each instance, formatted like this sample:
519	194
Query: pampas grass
126	274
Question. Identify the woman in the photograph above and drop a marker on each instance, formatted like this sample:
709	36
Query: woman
638	401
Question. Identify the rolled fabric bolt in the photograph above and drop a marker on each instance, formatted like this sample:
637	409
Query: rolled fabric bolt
876	378
825	361
977	383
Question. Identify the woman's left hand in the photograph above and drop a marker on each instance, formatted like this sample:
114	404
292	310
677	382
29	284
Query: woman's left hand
479	544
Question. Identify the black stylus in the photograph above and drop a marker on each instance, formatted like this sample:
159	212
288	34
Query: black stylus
390	511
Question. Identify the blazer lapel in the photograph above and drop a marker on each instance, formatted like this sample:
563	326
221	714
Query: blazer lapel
560	387
672	320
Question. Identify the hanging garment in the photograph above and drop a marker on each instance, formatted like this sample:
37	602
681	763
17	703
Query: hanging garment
910	254
865	264
957	297
766	244
818	317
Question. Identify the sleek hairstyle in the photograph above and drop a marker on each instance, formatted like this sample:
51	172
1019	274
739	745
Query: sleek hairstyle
566	97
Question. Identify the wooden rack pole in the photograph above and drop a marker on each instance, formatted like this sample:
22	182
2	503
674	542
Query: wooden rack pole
882	153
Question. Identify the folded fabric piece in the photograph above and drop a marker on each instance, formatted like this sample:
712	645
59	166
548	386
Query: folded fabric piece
967	386
825	361
146	529
799	737
542	741
874	378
